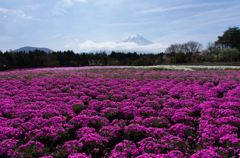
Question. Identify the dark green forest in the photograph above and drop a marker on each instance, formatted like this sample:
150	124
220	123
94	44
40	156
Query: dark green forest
37	58
225	49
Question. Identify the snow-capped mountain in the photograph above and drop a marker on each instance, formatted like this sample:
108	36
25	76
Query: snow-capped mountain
140	40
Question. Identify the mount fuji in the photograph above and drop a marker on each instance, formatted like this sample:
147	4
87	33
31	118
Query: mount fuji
140	40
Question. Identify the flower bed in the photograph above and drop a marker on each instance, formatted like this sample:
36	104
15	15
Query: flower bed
143	113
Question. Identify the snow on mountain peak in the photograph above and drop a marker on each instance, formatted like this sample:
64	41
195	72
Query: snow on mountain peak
136	39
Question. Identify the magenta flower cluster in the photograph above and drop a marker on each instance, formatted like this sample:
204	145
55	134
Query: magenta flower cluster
92	114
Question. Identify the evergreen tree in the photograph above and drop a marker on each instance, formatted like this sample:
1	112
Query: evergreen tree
229	39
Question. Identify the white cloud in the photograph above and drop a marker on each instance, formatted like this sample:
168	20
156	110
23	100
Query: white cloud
17	12
62	5
213	14
56	35
129	23
67	3
196	15
4	10
160	9
81	0
221	20
89	45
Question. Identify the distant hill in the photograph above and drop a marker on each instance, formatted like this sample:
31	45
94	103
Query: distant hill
28	48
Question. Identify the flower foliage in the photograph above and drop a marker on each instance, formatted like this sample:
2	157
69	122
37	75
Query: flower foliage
142	113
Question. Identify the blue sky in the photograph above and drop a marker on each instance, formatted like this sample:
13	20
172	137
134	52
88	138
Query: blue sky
85	25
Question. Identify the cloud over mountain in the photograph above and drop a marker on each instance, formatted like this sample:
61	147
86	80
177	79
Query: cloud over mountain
89	45
132	43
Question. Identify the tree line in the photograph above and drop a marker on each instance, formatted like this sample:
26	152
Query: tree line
225	49
37	58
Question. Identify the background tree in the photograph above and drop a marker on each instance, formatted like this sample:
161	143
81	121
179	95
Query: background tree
172	50
102	57
193	46
189	57
159	60
8	60
238	47
197	57
143	61
207	55
2	61
184	48
84	59
181	57
211	47
229	55
213	51
229	39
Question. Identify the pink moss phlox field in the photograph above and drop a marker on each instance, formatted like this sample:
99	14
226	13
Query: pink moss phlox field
119	113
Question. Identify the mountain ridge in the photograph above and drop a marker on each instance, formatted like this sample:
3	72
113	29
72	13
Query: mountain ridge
29	48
